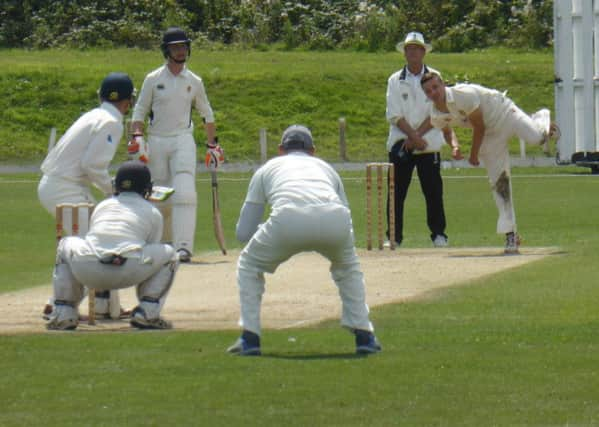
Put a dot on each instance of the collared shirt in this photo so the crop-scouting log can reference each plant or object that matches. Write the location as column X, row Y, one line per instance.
column 168, row 100
column 406, row 99
column 85, row 151
column 463, row 99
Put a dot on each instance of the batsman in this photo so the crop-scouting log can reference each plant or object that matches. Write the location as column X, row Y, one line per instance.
column 81, row 158
column 167, row 97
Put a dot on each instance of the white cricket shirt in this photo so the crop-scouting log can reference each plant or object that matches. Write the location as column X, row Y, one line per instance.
column 168, row 100
column 463, row 99
column 85, row 151
column 124, row 223
column 298, row 179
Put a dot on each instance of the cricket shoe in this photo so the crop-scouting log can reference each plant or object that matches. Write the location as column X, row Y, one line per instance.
column 140, row 321
column 366, row 342
column 387, row 244
column 550, row 129
column 246, row 345
column 64, row 317
column 512, row 244
column 440, row 241
column 184, row 255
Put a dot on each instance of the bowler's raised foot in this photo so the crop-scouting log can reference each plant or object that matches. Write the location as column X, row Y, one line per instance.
column 248, row 344
column 366, row 342
column 512, row 244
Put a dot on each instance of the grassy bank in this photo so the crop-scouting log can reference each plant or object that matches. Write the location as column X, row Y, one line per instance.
column 252, row 90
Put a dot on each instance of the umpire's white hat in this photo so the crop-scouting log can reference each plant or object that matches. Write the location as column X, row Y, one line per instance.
column 414, row 38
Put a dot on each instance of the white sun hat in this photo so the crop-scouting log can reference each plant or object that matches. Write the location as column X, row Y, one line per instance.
column 414, row 38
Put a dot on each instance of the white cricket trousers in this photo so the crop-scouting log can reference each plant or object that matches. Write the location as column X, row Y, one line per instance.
column 495, row 156
column 54, row 190
column 173, row 164
column 152, row 270
column 326, row 229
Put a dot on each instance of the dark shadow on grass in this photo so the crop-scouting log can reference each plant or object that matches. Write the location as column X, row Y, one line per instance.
column 304, row 357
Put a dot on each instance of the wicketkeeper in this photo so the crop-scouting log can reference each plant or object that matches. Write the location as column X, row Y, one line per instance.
column 121, row 249
column 309, row 212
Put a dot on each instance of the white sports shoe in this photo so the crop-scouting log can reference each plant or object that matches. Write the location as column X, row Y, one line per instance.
column 184, row 255
column 440, row 241
column 63, row 318
column 550, row 130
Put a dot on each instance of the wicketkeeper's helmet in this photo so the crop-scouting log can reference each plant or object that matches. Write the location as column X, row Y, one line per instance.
column 116, row 87
column 174, row 35
column 133, row 176
column 297, row 137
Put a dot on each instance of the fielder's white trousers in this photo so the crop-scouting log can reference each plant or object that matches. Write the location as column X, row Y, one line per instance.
column 173, row 164
column 495, row 156
column 151, row 270
column 53, row 190
column 326, row 229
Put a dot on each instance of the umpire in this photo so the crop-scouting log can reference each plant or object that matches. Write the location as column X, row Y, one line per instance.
column 413, row 142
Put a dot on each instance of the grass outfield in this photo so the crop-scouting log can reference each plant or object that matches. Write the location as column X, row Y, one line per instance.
column 516, row 348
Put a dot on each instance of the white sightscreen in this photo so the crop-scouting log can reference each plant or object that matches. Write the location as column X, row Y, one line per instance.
column 576, row 50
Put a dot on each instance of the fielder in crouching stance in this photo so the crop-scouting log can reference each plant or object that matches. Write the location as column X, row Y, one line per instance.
column 120, row 250
column 494, row 119
column 309, row 212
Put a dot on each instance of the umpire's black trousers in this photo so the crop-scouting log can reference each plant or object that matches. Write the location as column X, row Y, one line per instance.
column 428, row 167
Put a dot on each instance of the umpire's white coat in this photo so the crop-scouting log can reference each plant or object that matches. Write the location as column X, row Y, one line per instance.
column 406, row 99
column 309, row 212
column 81, row 158
column 125, row 225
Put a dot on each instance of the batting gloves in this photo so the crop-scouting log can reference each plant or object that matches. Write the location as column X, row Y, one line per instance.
column 215, row 156
column 137, row 149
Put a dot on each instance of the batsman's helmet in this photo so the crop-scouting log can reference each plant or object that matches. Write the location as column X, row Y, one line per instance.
column 174, row 35
column 133, row 176
column 297, row 137
column 116, row 87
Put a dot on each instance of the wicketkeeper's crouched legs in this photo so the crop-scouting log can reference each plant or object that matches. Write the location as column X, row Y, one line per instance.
column 157, row 286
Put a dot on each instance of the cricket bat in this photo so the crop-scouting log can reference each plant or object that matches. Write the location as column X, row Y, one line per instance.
column 216, row 219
